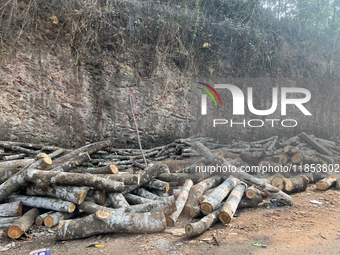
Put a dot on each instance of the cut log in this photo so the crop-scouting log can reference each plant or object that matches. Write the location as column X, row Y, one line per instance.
column 249, row 158
column 197, row 191
column 26, row 151
column 180, row 202
column 199, row 227
column 21, row 225
column 300, row 158
column 117, row 200
column 150, row 172
column 109, row 169
column 45, row 203
column 89, row 149
column 180, row 177
column 7, row 222
column 10, row 168
column 11, row 209
column 144, row 193
column 315, row 144
column 252, row 192
column 229, row 208
column 211, row 203
column 326, row 183
column 136, row 223
column 259, row 184
column 337, row 185
column 72, row 163
column 17, row 181
column 227, row 154
column 158, row 184
column 68, row 193
column 39, row 220
column 201, row 199
column 56, row 153
column 46, row 178
column 135, row 200
column 166, row 204
column 13, row 157
column 249, row 203
column 53, row 219
column 127, row 179
column 296, row 184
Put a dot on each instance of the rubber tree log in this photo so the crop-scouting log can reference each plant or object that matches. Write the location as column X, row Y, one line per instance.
column 337, row 185
column 278, row 181
column 21, row 225
column 166, row 204
column 301, row 158
column 127, row 179
column 144, row 193
column 90, row 148
column 249, row 203
column 199, row 227
column 135, row 223
column 296, row 184
column 98, row 196
column 53, row 219
column 56, row 153
column 158, row 184
column 39, row 220
column 72, row 194
column 7, row 222
column 117, row 200
column 250, row 180
column 326, row 183
column 17, row 181
column 13, row 157
column 252, row 192
column 135, row 200
column 229, row 208
column 150, row 172
column 109, row 169
column 180, row 202
column 181, row 177
column 45, row 203
column 197, row 191
column 11, row 209
column 46, row 178
column 214, row 199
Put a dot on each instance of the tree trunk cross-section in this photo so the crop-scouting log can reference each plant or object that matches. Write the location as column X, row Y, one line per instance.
column 21, row 225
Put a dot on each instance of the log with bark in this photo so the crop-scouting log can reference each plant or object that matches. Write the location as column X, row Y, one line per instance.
column 296, row 184
column 117, row 200
column 301, row 158
column 46, row 178
column 158, row 184
column 10, row 168
column 199, row 227
column 53, row 219
column 318, row 146
column 278, row 181
column 72, row 194
column 135, row 200
column 21, row 225
column 39, row 220
column 144, row 193
column 17, row 181
column 109, row 169
column 136, row 223
column 229, row 207
column 56, row 153
column 150, row 172
column 44, row 202
column 249, row 203
column 6, row 222
column 252, row 192
column 181, row 177
column 180, row 202
column 211, row 203
column 127, row 179
column 98, row 196
column 197, row 191
column 13, row 157
column 326, row 183
column 11, row 209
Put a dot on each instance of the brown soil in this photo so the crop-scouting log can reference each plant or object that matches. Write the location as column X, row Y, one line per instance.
column 303, row 228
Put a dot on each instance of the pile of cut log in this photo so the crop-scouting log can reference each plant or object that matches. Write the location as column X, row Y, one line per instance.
column 100, row 189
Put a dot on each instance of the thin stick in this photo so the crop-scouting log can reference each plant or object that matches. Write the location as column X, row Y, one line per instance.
column 140, row 145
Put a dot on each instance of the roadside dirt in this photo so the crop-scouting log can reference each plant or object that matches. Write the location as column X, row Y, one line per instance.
column 304, row 228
